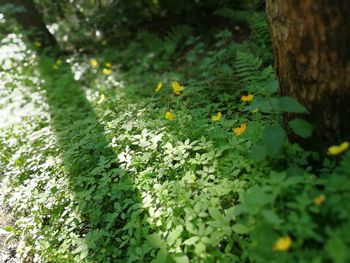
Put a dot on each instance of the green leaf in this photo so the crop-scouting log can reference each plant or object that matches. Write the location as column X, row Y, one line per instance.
column 260, row 103
column 271, row 217
column 301, row 128
column 273, row 139
column 162, row 257
column 258, row 153
column 180, row 258
column 191, row 241
column 9, row 238
column 174, row 235
column 215, row 213
column 271, row 87
column 240, row 229
column 9, row 229
column 289, row 104
column 155, row 241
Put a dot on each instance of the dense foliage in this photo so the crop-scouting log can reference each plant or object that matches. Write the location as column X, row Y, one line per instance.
column 167, row 147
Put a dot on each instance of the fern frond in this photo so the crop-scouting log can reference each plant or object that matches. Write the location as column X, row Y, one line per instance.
column 150, row 39
column 247, row 67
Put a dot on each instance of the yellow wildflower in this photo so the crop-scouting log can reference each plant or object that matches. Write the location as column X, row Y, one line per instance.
column 37, row 44
column 319, row 200
column 216, row 117
column 106, row 71
column 108, row 65
column 177, row 88
column 169, row 116
column 93, row 63
column 58, row 62
column 240, row 130
column 102, row 99
column 249, row 97
column 338, row 149
column 283, row 243
column 159, row 86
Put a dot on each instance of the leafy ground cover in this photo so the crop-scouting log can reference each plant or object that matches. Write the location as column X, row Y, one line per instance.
column 169, row 150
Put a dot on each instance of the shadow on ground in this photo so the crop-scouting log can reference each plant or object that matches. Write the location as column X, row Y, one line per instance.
column 104, row 193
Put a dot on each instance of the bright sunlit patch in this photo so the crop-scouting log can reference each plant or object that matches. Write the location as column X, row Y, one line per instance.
column 102, row 99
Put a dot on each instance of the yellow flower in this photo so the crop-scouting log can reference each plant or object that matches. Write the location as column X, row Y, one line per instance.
column 169, row 115
column 319, row 200
column 93, row 63
column 102, row 99
column 177, row 88
column 216, row 117
column 108, row 65
column 159, row 86
column 240, row 130
column 283, row 243
column 37, row 44
column 106, row 71
column 58, row 62
column 249, row 97
column 338, row 149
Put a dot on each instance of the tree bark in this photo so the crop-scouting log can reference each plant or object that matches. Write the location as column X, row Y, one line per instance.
column 311, row 44
column 32, row 20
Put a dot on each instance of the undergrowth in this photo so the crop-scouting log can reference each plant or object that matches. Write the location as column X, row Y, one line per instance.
column 110, row 170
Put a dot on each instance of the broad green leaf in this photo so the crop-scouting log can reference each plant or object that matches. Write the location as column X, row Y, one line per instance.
column 337, row 249
column 258, row 153
column 271, row 87
column 162, row 257
column 180, row 258
column 289, row 104
column 273, row 139
column 215, row 213
column 271, row 217
column 174, row 235
column 155, row 241
column 301, row 128
column 240, row 229
column 9, row 229
column 191, row 241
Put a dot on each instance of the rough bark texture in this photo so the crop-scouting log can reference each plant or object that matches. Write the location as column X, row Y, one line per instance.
column 31, row 19
column 311, row 42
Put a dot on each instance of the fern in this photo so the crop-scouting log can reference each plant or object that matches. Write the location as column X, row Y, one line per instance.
column 150, row 39
column 178, row 33
column 248, row 68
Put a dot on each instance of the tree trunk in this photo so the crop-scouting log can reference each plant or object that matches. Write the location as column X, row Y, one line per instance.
column 311, row 43
column 32, row 20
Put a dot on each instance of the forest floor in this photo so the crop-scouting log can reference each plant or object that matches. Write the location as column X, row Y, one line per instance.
column 7, row 250
column 162, row 152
